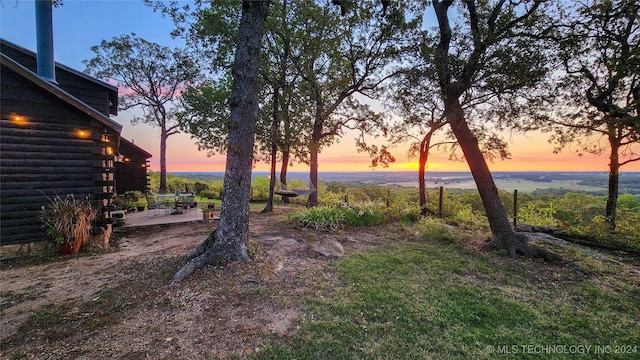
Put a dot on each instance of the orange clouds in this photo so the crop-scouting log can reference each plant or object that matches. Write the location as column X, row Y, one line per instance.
column 528, row 153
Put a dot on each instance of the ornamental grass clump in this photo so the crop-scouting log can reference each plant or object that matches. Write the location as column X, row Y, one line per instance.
column 323, row 218
column 327, row 218
column 68, row 219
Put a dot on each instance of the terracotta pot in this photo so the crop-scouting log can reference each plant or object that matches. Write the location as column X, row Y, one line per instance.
column 69, row 248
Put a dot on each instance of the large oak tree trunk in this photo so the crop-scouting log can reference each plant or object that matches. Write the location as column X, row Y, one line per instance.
column 229, row 241
column 504, row 237
column 163, row 161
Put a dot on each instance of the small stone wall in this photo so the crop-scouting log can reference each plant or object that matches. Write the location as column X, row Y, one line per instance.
column 45, row 248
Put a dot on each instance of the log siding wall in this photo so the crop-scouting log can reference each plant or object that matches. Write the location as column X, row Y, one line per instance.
column 47, row 148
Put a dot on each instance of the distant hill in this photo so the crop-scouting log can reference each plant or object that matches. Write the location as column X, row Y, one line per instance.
column 534, row 181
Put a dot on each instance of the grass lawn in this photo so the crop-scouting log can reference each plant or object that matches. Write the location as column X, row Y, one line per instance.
column 253, row 205
column 436, row 299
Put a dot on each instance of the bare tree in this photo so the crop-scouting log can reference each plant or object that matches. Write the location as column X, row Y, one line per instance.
column 152, row 76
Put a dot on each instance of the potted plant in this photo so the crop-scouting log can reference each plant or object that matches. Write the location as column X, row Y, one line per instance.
column 141, row 204
column 134, row 200
column 68, row 221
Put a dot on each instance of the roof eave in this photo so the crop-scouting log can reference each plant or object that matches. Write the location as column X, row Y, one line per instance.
column 58, row 92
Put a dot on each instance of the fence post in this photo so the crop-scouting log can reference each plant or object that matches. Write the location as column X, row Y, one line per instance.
column 440, row 202
column 515, row 209
column 388, row 197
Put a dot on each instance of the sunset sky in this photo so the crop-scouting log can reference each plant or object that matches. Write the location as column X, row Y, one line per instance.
column 78, row 25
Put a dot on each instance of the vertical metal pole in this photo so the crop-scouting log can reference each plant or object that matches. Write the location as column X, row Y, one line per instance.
column 440, row 202
column 44, row 37
column 515, row 209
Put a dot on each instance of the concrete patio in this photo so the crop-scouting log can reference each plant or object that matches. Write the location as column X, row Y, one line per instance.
column 164, row 216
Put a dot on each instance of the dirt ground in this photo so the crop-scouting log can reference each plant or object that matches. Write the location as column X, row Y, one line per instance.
column 119, row 302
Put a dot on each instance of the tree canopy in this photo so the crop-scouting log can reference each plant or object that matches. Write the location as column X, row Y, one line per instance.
column 598, row 90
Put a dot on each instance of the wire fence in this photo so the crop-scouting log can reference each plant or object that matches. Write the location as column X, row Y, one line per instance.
column 569, row 209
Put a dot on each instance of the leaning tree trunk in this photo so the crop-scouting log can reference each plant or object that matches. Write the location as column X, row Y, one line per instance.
column 504, row 237
column 422, row 166
column 612, row 196
column 422, row 186
column 283, row 171
column 503, row 234
column 229, row 241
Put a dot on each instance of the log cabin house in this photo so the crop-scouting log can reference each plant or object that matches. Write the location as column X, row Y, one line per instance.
column 56, row 138
column 131, row 169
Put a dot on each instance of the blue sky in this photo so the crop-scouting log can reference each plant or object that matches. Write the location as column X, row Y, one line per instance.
column 80, row 24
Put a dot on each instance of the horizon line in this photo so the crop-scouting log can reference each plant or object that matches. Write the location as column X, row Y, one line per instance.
column 410, row 171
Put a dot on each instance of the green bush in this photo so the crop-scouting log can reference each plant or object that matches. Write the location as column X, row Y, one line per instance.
column 210, row 194
column 537, row 216
column 627, row 232
column 629, row 201
column 326, row 217
column 332, row 199
column 260, row 189
column 133, row 199
column 337, row 188
column 199, row 187
column 213, row 191
column 409, row 214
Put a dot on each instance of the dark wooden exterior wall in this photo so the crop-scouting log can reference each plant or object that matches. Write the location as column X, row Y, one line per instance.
column 132, row 176
column 131, row 172
column 97, row 94
column 48, row 147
